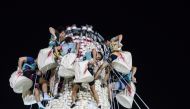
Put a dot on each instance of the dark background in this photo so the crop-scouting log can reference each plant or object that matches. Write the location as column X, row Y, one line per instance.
column 153, row 33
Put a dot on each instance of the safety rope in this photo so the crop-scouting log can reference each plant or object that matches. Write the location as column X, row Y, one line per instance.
column 137, row 104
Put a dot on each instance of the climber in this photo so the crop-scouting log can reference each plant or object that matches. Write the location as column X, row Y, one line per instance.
column 115, row 41
column 120, row 80
column 91, row 66
column 28, row 66
column 57, row 36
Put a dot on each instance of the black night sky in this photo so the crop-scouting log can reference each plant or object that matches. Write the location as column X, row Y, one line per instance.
column 152, row 30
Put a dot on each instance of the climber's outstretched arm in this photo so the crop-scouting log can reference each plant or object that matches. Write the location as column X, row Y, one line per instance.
column 20, row 62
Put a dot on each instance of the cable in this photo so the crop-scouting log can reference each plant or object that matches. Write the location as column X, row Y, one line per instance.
column 137, row 104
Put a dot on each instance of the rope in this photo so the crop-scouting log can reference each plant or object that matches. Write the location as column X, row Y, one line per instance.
column 142, row 101
column 137, row 104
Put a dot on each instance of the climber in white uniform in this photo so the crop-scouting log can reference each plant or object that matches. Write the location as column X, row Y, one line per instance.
column 91, row 66
column 28, row 66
